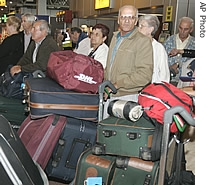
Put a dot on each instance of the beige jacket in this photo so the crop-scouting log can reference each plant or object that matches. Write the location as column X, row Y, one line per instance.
column 132, row 67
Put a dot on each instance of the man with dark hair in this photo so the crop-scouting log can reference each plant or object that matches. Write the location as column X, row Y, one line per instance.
column 81, row 40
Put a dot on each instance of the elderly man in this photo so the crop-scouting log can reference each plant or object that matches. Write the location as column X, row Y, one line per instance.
column 27, row 22
column 179, row 41
column 38, row 52
column 130, row 58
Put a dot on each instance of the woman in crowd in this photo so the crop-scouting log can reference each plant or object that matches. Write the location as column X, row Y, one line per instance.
column 148, row 25
column 11, row 49
column 99, row 49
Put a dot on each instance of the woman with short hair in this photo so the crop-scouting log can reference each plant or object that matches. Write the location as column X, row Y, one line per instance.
column 148, row 25
column 11, row 49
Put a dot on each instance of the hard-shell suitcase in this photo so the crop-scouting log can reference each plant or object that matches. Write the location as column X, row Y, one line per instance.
column 117, row 136
column 41, row 135
column 13, row 110
column 16, row 165
column 90, row 165
column 45, row 96
column 77, row 136
column 135, row 171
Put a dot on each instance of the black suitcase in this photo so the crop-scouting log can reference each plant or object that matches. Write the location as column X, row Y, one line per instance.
column 77, row 136
column 45, row 96
column 16, row 165
column 13, row 110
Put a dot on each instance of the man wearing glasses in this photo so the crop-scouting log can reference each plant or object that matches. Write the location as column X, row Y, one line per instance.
column 130, row 58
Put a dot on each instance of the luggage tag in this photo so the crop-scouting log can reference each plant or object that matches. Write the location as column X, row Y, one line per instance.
column 181, row 125
column 93, row 181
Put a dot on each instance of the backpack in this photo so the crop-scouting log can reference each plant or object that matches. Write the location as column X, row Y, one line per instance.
column 156, row 98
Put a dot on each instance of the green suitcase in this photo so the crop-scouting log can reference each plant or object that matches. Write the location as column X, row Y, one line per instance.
column 117, row 136
column 13, row 110
column 90, row 165
column 135, row 171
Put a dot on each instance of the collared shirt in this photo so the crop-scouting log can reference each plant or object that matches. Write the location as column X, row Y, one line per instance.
column 118, row 42
column 179, row 43
column 27, row 39
column 36, row 49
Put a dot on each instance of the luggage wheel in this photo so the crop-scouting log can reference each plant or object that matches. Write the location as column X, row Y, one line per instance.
column 97, row 150
column 122, row 162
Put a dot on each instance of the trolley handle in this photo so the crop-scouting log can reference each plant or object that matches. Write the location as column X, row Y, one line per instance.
column 107, row 83
column 168, row 115
column 101, row 88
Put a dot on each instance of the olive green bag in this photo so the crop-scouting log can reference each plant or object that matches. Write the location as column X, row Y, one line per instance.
column 117, row 136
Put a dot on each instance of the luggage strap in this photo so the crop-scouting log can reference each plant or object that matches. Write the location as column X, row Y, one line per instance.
column 153, row 153
column 62, row 106
column 156, row 142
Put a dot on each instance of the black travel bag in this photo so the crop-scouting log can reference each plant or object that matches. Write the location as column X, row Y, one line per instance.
column 77, row 136
column 16, row 165
column 45, row 96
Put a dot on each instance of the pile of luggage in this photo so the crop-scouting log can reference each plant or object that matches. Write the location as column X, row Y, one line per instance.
column 64, row 137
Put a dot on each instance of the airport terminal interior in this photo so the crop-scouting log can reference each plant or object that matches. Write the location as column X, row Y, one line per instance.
column 65, row 14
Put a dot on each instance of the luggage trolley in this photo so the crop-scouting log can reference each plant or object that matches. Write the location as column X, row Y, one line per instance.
column 166, row 141
column 168, row 119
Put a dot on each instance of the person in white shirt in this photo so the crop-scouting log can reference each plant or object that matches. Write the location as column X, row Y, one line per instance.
column 148, row 25
column 99, row 49
column 81, row 40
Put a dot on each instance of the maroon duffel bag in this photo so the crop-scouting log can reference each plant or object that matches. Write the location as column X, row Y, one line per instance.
column 75, row 71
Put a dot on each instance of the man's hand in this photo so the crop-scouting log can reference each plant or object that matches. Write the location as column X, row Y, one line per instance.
column 175, row 52
column 106, row 96
column 15, row 69
column 174, row 67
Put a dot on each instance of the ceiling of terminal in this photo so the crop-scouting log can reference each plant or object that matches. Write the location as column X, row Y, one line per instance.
column 158, row 11
column 14, row 5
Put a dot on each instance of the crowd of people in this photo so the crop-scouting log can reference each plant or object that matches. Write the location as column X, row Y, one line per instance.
column 132, row 59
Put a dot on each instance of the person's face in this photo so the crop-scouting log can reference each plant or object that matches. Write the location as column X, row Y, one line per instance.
column 127, row 20
column 96, row 38
column 74, row 37
column 10, row 29
column 25, row 24
column 144, row 28
column 184, row 30
column 37, row 34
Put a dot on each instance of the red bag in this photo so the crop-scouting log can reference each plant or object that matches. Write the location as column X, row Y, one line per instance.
column 40, row 136
column 75, row 71
column 156, row 98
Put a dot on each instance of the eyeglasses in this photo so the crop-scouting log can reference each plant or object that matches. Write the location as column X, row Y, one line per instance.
column 122, row 17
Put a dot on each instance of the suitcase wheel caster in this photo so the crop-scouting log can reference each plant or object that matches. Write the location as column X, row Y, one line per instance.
column 122, row 162
column 97, row 150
